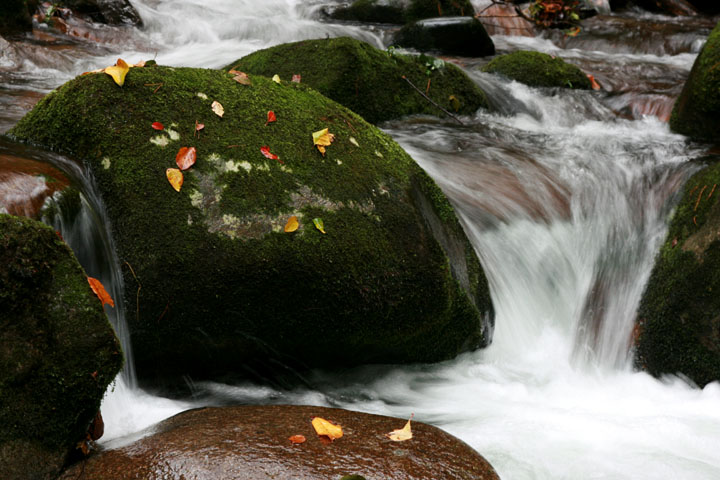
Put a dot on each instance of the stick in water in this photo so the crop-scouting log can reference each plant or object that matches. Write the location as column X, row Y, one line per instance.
column 429, row 100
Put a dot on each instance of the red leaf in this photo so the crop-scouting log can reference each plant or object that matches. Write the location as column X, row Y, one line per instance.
column 199, row 126
column 158, row 126
column 271, row 117
column 266, row 151
column 297, row 78
column 100, row 291
column 185, row 158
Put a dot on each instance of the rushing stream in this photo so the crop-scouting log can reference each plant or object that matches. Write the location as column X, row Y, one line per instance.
column 564, row 196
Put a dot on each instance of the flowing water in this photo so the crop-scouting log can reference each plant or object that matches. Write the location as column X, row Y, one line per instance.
column 564, row 196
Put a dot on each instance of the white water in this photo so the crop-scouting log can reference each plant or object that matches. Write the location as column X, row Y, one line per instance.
column 554, row 397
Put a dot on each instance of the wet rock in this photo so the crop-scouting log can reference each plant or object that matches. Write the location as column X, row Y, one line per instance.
column 678, row 329
column 110, row 12
column 15, row 16
column 215, row 284
column 697, row 110
column 26, row 184
column 502, row 19
column 58, row 352
column 710, row 7
column 452, row 36
column 251, row 442
column 538, row 70
column 367, row 80
column 402, row 11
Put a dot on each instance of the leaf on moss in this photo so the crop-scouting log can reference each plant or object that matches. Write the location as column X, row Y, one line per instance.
column 118, row 71
column 158, row 126
column 322, row 138
column 186, row 157
column 175, row 177
column 319, row 224
column 271, row 117
column 217, row 108
column 99, row 289
column 455, row 102
column 292, row 224
column 276, row 78
column 401, row 434
column 354, row 142
column 326, row 428
column 265, row 150
column 241, row 77
column 297, row 78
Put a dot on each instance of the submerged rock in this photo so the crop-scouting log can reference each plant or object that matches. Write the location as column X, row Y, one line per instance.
column 366, row 80
column 252, row 442
column 697, row 110
column 213, row 282
column 58, row 352
column 452, row 36
column 679, row 317
column 401, row 11
column 538, row 70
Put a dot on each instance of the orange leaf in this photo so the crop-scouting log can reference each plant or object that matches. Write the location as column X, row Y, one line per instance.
column 323, row 427
column 595, row 85
column 322, row 138
column 175, row 177
column 185, row 157
column 265, row 150
column 292, row 224
column 271, row 117
column 100, row 291
column 118, row 71
column 297, row 439
column 158, row 126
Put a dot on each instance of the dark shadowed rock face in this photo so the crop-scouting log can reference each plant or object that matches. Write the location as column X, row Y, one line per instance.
column 252, row 443
column 452, row 36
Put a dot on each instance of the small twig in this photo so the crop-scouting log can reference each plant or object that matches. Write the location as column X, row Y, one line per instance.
column 167, row 307
column 232, row 146
column 350, row 125
column 711, row 192
column 137, row 296
column 699, row 198
column 153, row 84
column 429, row 100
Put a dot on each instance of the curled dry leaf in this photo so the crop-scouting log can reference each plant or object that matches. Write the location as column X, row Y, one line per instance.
column 292, row 224
column 217, row 108
column 241, row 77
column 276, row 78
column 297, row 78
column 100, row 292
column 158, row 126
column 271, row 117
column 593, row 83
column 322, row 138
column 401, row 434
column 175, row 177
column 323, row 427
column 319, row 224
column 198, row 126
column 118, row 71
column 185, row 158
column 297, row 439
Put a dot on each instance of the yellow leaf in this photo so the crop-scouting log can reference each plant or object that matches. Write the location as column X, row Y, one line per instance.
column 118, row 71
column 455, row 102
column 292, row 224
column 175, row 177
column 323, row 427
column 401, row 434
column 276, row 78
column 319, row 224
column 354, row 142
column 218, row 108
column 322, row 138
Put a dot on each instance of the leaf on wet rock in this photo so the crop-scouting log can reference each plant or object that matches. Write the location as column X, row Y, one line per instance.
column 297, row 439
column 99, row 289
column 175, row 177
column 593, row 83
column 265, row 150
column 326, row 428
column 276, row 78
column 185, row 158
column 297, row 78
column 322, row 138
column 158, row 126
column 217, row 108
column 319, row 224
column 118, row 71
column 292, row 224
column 271, row 117
column 401, row 434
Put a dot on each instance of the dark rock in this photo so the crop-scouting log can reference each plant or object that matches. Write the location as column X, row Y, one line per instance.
column 251, row 443
column 402, row 11
column 58, row 352
column 15, row 16
column 668, row 7
column 697, row 110
column 538, row 70
column 710, row 7
column 110, row 12
column 367, row 80
column 216, row 286
column 679, row 317
column 452, row 36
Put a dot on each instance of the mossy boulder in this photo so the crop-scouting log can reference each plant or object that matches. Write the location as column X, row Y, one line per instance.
column 212, row 282
column 697, row 110
column 450, row 36
column 58, row 352
column 679, row 315
column 538, row 69
column 366, row 80
column 402, row 11
column 15, row 16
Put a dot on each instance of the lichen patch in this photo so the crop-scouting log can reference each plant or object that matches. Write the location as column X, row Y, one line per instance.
column 161, row 141
column 106, row 163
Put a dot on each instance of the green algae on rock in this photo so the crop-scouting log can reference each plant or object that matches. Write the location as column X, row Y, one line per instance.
column 679, row 314
column 401, row 11
column 366, row 80
column 212, row 281
column 697, row 110
column 58, row 352
column 538, row 69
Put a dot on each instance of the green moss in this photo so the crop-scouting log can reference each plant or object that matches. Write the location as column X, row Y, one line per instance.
column 220, row 285
column 538, row 70
column 679, row 315
column 697, row 110
column 58, row 352
column 367, row 80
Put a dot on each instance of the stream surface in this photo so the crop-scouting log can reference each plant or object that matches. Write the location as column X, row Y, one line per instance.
column 564, row 195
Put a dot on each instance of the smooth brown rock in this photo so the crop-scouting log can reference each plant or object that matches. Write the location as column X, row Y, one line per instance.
column 252, row 442
column 26, row 184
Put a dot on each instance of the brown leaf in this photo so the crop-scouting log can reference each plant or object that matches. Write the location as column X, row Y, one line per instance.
column 185, row 157
column 297, row 439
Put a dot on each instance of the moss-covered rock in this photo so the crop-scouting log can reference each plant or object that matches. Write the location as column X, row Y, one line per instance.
column 697, row 110
column 212, row 281
column 367, row 80
column 450, row 36
column 538, row 70
column 14, row 16
column 679, row 315
column 58, row 352
column 401, row 11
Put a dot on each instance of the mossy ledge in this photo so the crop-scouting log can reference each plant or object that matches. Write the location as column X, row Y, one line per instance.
column 58, row 352
column 538, row 69
column 213, row 283
column 366, row 80
column 679, row 315
column 697, row 110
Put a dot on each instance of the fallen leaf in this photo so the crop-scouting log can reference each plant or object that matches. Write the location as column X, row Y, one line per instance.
column 354, row 142
column 292, row 224
column 158, row 126
column 140, row 64
column 241, row 77
column 297, row 439
column 175, row 177
column 319, row 224
column 455, row 102
column 276, row 78
column 265, row 150
column 100, row 291
column 118, row 71
column 271, row 117
column 323, row 427
column 198, row 126
column 185, row 158
column 99, row 70
column 402, row 434
column 593, row 83
column 322, row 138
column 297, row 78
column 217, row 108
